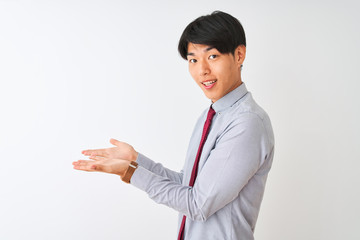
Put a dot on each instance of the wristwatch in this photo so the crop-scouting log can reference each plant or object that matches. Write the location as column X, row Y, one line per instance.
column 130, row 171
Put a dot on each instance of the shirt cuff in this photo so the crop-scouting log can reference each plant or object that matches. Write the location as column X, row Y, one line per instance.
column 141, row 178
column 144, row 161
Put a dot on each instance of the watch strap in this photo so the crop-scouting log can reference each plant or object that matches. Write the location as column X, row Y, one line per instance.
column 130, row 171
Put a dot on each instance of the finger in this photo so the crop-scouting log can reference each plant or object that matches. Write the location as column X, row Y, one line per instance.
column 96, row 158
column 85, row 168
column 115, row 142
column 96, row 152
column 84, row 162
column 76, row 163
column 84, row 165
column 89, row 166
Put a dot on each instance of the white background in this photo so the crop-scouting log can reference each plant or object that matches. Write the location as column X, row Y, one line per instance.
column 73, row 74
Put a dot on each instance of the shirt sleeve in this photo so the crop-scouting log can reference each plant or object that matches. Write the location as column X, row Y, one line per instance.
column 238, row 154
column 159, row 169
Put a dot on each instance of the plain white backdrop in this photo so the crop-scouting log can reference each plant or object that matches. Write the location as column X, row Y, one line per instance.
column 73, row 74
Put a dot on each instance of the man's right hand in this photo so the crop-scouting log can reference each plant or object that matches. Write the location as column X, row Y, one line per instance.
column 121, row 150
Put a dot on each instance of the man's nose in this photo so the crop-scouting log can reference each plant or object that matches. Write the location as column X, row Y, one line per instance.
column 204, row 68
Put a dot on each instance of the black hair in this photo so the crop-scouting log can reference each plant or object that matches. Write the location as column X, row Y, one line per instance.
column 218, row 30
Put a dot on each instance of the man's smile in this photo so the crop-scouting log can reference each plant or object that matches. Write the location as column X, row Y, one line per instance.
column 209, row 83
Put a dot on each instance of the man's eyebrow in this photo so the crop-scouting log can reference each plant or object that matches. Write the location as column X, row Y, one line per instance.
column 206, row 50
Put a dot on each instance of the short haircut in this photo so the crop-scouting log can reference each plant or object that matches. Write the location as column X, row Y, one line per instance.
column 218, row 30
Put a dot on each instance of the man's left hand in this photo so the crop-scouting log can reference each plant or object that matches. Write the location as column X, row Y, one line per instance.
column 103, row 164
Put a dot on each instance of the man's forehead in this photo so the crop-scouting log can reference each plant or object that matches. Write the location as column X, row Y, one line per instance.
column 194, row 47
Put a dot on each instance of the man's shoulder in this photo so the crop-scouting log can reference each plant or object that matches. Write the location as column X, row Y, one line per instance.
column 247, row 108
column 247, row 114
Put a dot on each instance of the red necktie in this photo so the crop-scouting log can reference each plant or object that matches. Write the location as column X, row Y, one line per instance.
column 205, row 132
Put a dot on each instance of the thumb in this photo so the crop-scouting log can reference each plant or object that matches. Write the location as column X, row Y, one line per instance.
column 115, row 142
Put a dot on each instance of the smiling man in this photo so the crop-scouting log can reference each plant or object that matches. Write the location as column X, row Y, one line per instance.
column 217, row 74
column 220, row 188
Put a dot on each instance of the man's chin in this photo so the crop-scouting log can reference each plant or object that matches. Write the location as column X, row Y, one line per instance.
column 211, row 97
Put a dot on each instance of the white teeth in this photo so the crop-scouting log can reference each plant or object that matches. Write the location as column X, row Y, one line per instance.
column 209, row 83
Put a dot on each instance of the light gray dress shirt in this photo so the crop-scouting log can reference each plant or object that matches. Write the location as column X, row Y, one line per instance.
column 225, row 200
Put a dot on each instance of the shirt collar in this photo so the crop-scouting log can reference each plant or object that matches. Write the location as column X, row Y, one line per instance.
column 229, row 99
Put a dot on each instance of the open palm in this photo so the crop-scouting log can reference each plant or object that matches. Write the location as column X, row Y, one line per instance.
column 121, row 150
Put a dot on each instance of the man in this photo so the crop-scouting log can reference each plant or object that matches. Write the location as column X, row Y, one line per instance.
column 220, row 188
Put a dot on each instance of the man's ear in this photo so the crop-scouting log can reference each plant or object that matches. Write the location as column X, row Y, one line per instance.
column 239, row 54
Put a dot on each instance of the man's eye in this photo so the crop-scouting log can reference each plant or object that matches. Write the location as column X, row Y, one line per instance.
column 193, row 60
column 212, row 56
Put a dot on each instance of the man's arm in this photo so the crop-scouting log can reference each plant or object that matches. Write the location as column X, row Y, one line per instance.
column 159, row 169
column 239, row 154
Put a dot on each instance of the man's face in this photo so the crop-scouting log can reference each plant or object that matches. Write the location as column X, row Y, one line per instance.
column 217, row 74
